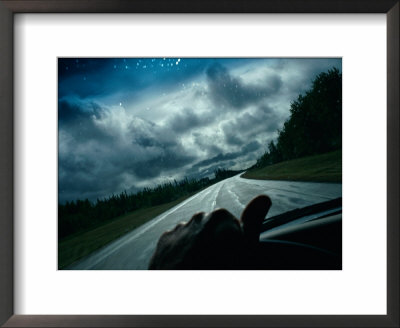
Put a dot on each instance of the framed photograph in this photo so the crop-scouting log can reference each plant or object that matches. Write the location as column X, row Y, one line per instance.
column 218, row 145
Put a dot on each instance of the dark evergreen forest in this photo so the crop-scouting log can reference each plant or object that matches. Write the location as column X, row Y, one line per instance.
column 315, row 123
column 81, row 215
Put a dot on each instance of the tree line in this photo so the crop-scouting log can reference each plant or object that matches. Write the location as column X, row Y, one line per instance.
column 82, row 215
column 314, row 125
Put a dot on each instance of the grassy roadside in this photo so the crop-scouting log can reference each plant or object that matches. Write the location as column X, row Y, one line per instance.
column 76, row 246
column 318, row 168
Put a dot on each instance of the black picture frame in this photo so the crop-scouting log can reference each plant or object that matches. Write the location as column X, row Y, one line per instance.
column 7, row 10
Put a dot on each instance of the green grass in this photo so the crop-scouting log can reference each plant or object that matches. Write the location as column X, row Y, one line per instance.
column 318, row 168
column 74, row 247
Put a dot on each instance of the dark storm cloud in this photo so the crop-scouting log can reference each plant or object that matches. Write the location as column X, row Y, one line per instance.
column 86, row 176
column 232, row 138
column 95, row 167
column 70, row 163
column 188, row 119
column 251, row 146
column 169, row 159
column 143, row 133
column 164, row 150
column 70, row 111
column 205, row 142
column 81, row 181
column 78, row 120
column 220, row 158
column 249, row 125
column 226, row 90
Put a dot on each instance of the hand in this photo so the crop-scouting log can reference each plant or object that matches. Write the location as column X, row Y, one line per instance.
column 216, row 240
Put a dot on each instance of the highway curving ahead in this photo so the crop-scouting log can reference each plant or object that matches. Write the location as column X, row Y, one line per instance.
column 133, row 250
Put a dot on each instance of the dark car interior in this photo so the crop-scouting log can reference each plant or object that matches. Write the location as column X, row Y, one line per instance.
column 309, row 238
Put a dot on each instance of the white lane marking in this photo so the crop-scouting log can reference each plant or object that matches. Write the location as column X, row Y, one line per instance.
column 214, row 203
column 117, row 246
column 236, row 198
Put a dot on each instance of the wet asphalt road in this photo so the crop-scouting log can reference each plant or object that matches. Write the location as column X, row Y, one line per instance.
column 133, row 250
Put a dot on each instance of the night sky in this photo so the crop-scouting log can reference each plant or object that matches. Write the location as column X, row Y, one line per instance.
column 126, row 124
